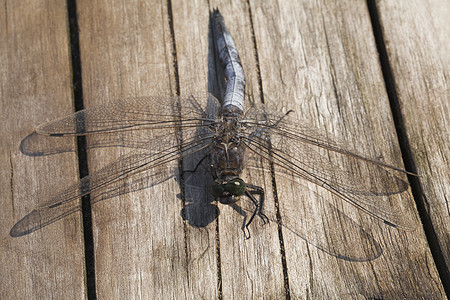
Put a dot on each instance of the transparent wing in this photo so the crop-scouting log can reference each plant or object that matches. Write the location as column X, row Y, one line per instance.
column 136, row 113
column 64, row 202
column 168, row 140
column 125, row 118
column 313, row 156
column 315, row 222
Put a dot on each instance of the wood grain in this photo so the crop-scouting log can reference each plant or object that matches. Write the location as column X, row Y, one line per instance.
column 319, row 59
column 35, row 88
column 248, row 268
column 418, row 46
column 193, row 53
column 140, row 252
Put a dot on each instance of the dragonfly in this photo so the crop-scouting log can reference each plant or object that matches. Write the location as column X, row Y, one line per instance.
column 228, row 136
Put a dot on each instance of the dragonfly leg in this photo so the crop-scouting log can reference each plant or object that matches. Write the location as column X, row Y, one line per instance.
column 250, row 192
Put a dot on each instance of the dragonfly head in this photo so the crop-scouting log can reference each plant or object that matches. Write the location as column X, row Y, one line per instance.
column 228, row 191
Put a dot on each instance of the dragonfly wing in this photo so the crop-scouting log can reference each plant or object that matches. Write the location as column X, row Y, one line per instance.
column 159, row 152
column 120, row 122
column 316, row 223
column 136, row 113
column 312, row 156
column 274, row 122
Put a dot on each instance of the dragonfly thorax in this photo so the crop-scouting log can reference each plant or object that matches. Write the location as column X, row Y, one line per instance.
column 227, row 155
column 227, row 159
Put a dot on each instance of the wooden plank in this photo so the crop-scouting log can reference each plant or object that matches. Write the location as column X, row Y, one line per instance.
column 320, row 60
column 253, row 260
column 317, row 59
column 140, row 252
column 193, row 53
column 256, row 262
column 35, row 81
column 417, row 38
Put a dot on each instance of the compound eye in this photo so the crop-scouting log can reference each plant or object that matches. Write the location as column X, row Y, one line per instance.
column 235, row 187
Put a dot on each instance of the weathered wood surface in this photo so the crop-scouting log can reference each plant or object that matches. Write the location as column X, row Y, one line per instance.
column 318, row 59
column 36, row 87
column 327, row 63
column 418, row 42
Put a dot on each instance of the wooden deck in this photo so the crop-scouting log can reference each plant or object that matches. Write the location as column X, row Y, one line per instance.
column 318, row 58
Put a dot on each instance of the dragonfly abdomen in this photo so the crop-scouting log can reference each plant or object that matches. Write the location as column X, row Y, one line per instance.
column 231, row 63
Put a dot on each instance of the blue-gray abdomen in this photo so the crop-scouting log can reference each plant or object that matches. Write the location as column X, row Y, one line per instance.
column 231, row 63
